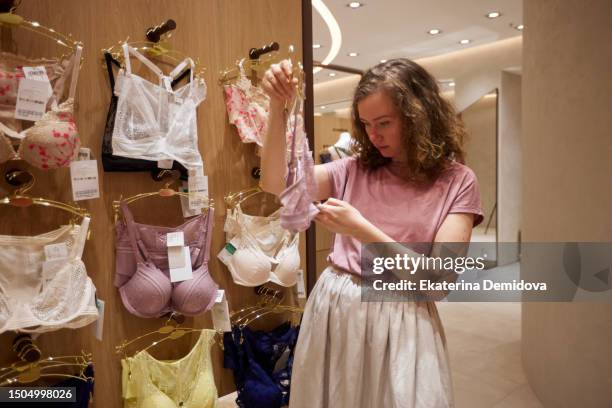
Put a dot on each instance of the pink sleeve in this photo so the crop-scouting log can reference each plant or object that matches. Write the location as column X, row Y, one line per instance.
column 338, row 171
column 468, row 198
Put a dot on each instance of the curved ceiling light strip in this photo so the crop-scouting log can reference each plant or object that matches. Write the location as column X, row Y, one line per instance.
column 334, row 31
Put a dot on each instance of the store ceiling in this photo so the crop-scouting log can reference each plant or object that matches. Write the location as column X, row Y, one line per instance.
column 384, row 29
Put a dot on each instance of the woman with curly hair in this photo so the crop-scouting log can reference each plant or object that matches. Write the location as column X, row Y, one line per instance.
column 405, row 184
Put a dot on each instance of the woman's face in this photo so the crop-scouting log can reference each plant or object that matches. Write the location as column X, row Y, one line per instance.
column 383, row 124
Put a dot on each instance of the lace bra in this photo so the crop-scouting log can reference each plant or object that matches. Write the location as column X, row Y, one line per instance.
column 142, row 268
column 298, row 209
column 53, row 141
column 247, row 108
column 112, row 163
column 262, row 250
column 184, row 383
column 154, row 122
column 38, row 296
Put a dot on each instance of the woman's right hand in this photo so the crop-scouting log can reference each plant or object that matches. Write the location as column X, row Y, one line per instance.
column 278, row 83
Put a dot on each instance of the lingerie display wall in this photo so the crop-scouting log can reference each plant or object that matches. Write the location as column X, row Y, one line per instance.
column 113, row 279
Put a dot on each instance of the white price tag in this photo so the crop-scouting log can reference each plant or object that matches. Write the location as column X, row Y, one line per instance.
column 187, row 212
column 32, row 97
column 84, row 153
column 50, row 268
column 165, row 164
column 175, row 239
column 100, row 323
column 84, row 176
column 56, row 251
column 176, row 258
column 183, row 273
column 301, row 287
column 198, row 189
column 220, row 313
column 228, row 250
column 38, row 74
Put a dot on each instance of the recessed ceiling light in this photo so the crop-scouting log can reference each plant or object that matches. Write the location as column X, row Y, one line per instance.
column 334, row 32
column 520, row 27
column 451, row 84
column 332, row 74
column 464, row 42
column 316, row 46
column 355, row 4
column 352, row 54
column 382, row 61
column 323, row 107
column 493, row 14
column 434, row 31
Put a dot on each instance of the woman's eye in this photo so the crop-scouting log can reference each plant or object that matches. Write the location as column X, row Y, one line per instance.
column 385, row 123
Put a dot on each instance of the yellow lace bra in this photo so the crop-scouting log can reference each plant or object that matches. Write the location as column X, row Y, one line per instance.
column 184, row 383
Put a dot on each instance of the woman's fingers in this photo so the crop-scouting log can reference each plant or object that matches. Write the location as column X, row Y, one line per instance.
column 270, row 89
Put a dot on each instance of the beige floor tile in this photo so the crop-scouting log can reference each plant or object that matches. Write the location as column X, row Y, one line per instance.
column 522, row 397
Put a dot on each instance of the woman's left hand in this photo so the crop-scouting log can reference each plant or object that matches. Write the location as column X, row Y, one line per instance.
column 342, row 218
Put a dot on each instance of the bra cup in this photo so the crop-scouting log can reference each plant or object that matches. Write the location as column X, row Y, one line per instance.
column 53, row 142
column 286, row 270
column 251, row 267
column 204, row 392
column 195, row 296
column 147, row 293
column 157, row 400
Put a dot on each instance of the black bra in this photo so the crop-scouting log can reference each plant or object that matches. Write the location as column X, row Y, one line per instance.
column 112, row 163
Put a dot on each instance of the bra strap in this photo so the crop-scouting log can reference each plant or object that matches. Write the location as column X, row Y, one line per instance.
column 140, row 252
column 80, row 241
column 76, row 66
column 109, row 66
column 180, row 67
column 292, row 161
column 204, row 254
column 127, row 50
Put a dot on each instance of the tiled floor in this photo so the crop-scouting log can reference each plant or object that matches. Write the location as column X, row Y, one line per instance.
column 484, row 342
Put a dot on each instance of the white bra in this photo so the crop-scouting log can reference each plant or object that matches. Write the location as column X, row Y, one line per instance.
column 154, row 122
column 261, row 250
column 37, row 298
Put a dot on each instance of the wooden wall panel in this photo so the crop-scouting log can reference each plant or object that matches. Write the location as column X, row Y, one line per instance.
column 217, row 32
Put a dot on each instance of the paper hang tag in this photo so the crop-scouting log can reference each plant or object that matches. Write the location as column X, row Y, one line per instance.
column 197, row 183
column 220, row 313
column 38, row 74
column 84, row 177
column 99, row 328
column 56, row 251
column 84, row 153
column 174, row 239
column 165, row 164
column 32, row 97
column 301, row 287
column 185, row 272
column 228, row 250
column 50, row 268
column 187, row 212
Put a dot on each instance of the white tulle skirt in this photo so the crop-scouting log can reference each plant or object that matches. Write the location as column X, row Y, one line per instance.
column 354, row 354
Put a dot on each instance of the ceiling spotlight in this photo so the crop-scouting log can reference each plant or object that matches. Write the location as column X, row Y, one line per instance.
column 493, row 14
column 451, row 84
column 352, row 54
column 464, row 42
column 316, row 46
column 520, row 27
column 332, row 74
column 323, row 107
column 355, row 4
column 434, row 31
column 382, row 61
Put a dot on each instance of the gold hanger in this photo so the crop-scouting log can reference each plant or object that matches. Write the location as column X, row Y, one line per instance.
column 267, row 295
column 165, row 191
column 19, row 199
column 11, row 19
column 234, row 199
column 172, row 330
column 269, row 303
column 155, row 50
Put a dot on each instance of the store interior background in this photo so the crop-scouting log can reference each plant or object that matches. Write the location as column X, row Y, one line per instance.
column 530, row 88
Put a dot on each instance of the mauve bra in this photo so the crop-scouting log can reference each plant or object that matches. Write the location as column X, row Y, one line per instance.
column 298, row 209
column 142, row 273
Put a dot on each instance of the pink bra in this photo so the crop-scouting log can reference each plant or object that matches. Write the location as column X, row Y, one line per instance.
column 142, row 273
column 53, row 141
column 298, row 209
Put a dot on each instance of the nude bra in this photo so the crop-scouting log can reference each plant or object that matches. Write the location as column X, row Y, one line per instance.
column 38, row 296
column 142, row 272
column 262, row 250
column 184, row 383
column 298, row 209
column 53, row 141
column 153, row 121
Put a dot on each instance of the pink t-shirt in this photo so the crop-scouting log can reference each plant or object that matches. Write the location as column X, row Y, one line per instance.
column 403, row 210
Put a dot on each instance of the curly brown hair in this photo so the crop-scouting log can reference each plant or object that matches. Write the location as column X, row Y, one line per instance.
column 432, row 133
